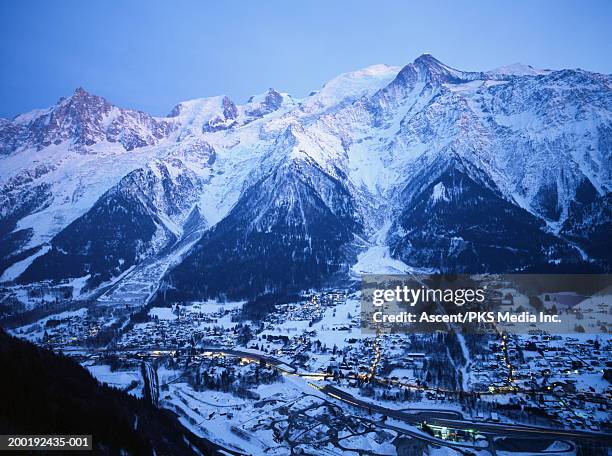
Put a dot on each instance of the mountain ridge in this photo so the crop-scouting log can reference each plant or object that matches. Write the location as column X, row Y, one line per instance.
column 371, row 146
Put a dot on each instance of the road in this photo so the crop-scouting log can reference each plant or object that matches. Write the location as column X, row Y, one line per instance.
column 270, row 360
column 151, row 383
column 435, row 418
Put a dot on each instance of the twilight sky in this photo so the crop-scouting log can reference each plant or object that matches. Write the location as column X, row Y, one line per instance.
column 149, row 55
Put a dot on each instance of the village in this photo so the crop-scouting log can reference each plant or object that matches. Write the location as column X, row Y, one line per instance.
column 532, row 379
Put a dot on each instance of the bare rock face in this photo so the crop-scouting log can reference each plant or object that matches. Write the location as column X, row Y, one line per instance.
column 225, row 120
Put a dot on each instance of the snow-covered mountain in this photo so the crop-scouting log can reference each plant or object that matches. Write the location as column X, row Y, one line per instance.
column 82, row 120
column 423, row 166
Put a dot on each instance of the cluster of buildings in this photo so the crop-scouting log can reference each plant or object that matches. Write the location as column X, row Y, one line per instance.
column 183, row 326
column 566, row 378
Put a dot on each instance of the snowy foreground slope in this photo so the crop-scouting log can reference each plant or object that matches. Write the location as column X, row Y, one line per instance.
column 423, row 167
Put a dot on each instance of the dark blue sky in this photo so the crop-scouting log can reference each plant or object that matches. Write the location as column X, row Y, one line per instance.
column 150, row 55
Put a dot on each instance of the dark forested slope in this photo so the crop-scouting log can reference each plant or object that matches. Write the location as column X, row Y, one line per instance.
column 43, row 393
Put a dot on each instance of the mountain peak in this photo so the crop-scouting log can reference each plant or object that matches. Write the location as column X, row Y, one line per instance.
column 258, row 98
column 434, row 69
column 273, row 99
column 230, row 110
column 351, row 86
column 80, row 91
column 83, row 96
column 427, row 59
column 426, row 68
